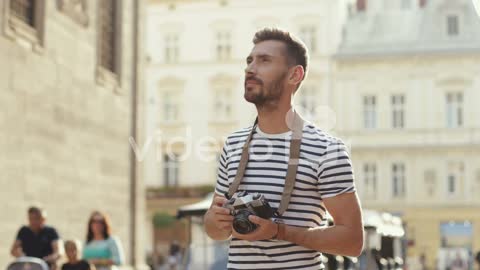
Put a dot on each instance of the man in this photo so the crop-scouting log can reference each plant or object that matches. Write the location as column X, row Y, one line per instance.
column 37, row 239
column 324, row 178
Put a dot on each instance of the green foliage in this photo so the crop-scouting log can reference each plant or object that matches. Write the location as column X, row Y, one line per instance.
column 194, row 191
column 163, row 220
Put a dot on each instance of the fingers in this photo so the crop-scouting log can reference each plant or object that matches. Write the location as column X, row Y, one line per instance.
column 227, row 218
column 266, row 230
column 223, row 222
column 224, row 225
column 258, row 220
column 221, row 217
column 220, row 210
column 220, row 201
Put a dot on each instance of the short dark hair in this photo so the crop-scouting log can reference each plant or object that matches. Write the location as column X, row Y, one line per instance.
column 296, row 51
column 37, row 211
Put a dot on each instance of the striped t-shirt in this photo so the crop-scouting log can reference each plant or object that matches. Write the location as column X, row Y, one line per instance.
column 324, row 171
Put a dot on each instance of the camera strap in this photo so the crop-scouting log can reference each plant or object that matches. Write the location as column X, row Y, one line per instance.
column 296, row 125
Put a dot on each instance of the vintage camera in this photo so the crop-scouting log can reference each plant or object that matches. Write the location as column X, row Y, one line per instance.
column 242, row 205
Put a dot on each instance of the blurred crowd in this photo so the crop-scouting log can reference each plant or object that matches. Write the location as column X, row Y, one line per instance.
column 101, row 250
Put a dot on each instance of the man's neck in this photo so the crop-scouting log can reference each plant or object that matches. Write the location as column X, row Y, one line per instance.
column 36, row 230
column 273, row 121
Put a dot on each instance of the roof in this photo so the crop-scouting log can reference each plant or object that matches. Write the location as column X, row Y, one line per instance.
column 385, row 29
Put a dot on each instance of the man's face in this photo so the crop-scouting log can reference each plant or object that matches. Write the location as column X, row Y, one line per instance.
column 35, row 221
column 266, row 72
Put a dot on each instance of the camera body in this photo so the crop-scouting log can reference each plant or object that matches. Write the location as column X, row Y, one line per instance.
column 242, row 205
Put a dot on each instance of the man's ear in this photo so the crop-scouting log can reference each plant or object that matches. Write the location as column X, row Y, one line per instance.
column 296, row 75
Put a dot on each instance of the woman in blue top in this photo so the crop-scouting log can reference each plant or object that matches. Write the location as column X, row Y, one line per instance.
column 102, row 249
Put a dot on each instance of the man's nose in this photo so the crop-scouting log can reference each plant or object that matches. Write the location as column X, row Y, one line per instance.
column 250, row 69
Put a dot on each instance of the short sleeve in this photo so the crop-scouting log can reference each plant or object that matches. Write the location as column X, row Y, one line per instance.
column 54, row 234
column 335, row 171
column 21, row 234
column 222, row 172
column 116, row 250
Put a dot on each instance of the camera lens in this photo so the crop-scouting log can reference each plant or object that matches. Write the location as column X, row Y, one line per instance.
column 241, row 224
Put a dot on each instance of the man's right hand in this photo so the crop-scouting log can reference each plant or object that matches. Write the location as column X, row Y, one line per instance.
column 17, row 250
column 218, row 221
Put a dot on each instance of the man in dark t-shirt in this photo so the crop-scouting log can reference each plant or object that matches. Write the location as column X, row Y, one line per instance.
column 37, row 239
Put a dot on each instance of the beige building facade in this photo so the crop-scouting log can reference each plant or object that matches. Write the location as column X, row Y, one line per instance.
column 406, row 99
column 68, row 81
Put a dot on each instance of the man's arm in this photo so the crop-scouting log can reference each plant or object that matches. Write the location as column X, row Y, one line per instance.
column 52, row 258
column 16, row 249
column 344, row 238
column 217, row 220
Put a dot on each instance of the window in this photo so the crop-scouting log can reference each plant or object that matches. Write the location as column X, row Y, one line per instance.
column 171, row 104
column 370, row 180
column 224, row 45
column 454, row 109
column 398, row 180
column 25, row 20
column 430, row 183
column 171, row 48
column 476, row 189
column 308, row 101
column 170, row 96
column 398, row 104
column 23, row 10
column 455, row 236
column 222, row 105
column 77, row 10
column 107, row 35
column 170, row 169
column 308, row 34
column 455, row 179
column 452, row 25
column 369, row 111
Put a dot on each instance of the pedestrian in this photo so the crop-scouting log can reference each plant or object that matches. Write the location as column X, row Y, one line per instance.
column 263, row 159
column 37, row 239
column 72, row 250
column 102, row 249
column 174, row 255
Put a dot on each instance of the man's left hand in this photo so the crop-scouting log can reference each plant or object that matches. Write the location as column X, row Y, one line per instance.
column 266, row 229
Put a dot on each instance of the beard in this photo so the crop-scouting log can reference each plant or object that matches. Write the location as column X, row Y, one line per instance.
column 261, row 94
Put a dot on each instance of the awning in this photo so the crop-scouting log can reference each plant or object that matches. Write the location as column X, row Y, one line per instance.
column 196, row 209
